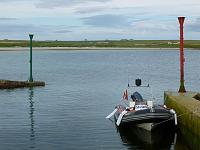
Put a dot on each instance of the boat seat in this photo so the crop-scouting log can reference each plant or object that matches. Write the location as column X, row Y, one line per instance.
column 150, row 104
column 132, row 104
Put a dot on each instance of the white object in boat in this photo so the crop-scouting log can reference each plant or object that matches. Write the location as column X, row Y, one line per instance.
column 132, row 104
column 140, row 107
column 150, row 104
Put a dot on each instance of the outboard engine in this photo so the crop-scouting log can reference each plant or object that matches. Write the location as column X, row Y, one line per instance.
column 138, row 82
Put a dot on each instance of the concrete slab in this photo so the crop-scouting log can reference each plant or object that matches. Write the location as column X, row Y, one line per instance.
column 7, row 84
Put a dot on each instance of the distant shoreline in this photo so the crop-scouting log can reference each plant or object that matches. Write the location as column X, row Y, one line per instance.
column 83, row 48
column 99, row 45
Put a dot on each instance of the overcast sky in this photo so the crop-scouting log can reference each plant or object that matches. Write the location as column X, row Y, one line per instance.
column 98, row 19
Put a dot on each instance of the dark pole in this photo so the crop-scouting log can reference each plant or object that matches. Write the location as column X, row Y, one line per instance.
column 31, row 75
column 182, row 59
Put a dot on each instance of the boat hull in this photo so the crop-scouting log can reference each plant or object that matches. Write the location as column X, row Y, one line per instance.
column 148, row 119
column 144, row 139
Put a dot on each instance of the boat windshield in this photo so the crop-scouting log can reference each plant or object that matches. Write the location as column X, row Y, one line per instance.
column 140, row 94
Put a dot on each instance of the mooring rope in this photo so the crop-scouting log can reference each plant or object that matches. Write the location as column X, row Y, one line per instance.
column 193, row 112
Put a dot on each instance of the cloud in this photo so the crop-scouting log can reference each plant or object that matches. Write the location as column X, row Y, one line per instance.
column 13, row 28
column 41, row 32
column 7, row 19
column 107, row 20
column 64, row 3
column 194, row 26
column 88, row 10
column 8, row 1
column 62, row 31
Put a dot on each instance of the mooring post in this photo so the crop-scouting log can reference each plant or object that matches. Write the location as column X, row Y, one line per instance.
column 182, row 59
column 31, row 76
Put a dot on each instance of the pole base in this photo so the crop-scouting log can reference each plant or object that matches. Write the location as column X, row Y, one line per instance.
column 30, row 80
column 182, row 89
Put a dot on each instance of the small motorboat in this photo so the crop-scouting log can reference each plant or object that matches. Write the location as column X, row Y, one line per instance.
column 142, row 112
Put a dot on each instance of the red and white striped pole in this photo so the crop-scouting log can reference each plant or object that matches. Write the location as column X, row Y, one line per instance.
column 182, row 59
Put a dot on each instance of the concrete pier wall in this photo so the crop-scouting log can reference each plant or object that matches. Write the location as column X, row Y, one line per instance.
column 188, row 110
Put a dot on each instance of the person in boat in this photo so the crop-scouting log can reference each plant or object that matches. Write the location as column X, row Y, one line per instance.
column 135, row 98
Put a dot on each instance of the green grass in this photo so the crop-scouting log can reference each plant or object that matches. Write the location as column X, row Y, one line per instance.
column 106, row 43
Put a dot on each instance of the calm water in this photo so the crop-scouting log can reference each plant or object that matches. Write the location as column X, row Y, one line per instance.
column 82, row 88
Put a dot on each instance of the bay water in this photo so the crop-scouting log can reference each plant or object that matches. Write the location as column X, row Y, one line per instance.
column 82, row 88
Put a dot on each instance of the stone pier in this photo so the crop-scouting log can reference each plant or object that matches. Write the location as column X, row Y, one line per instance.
column 187, row 106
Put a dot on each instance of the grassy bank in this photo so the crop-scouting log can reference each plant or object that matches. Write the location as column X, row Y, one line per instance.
column 106, row 43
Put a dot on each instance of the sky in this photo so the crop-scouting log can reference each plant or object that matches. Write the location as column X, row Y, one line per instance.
column 75, row 20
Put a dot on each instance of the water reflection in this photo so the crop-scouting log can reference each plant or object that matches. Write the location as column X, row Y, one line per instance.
column 138, row 138
column 31, row 115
